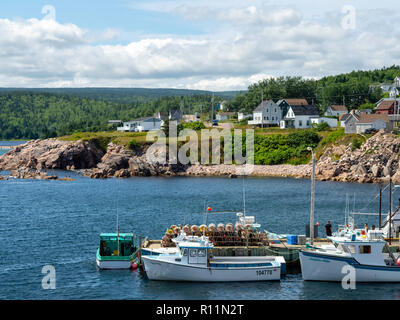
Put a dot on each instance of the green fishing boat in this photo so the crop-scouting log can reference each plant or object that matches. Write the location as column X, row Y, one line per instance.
column 116, row 251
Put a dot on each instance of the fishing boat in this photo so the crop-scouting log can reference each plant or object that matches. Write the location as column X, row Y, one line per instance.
column 194, row 261
column 116, row 251
column 243, row 233
column 367, row 252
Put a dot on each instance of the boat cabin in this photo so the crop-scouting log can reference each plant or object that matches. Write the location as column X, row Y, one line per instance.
column 194, row 249
column 368, row 249
column 112, row 244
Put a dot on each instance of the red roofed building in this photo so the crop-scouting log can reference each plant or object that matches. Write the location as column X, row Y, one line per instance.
column 387, row 106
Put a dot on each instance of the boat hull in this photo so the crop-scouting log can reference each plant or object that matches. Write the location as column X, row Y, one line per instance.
column 115, row 264
column 317, row 267
column 122, row 262
column 162, row 270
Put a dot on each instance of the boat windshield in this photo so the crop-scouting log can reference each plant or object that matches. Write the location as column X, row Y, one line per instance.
column 109, row 246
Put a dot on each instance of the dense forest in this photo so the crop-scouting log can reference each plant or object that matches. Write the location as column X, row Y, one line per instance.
column 355, row 90
column 122, row 95
column 42, row 115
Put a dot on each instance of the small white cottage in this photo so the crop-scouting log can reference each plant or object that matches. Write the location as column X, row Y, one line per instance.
column 141, row 124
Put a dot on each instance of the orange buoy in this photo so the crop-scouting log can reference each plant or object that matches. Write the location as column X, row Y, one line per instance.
column 398, row 261
column 134, row 266
column 209, row 208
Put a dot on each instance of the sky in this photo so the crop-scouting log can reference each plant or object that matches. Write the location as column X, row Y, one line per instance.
column 214, row 45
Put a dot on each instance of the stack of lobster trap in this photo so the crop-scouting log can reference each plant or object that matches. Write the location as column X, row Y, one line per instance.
column 220, row 235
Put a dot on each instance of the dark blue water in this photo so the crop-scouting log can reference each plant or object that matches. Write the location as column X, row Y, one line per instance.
column 58, row 223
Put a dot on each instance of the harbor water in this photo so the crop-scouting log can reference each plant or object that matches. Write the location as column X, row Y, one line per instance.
column 58, row 223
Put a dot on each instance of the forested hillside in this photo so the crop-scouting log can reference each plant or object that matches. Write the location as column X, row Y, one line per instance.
column 354, row 89
column 122, row 95
column 42, row 115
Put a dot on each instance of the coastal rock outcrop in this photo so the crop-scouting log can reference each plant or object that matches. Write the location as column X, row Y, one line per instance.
column 120, row 162
column 52, row 154
column 376, row 160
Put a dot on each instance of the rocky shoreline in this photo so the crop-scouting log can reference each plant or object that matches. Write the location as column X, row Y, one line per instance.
column 375, row 161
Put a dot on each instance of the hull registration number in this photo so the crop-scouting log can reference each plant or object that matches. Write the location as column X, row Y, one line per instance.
column 264, row 272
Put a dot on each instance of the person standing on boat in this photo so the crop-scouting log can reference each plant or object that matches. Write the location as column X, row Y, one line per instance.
column 366, row 227
column 328, row 229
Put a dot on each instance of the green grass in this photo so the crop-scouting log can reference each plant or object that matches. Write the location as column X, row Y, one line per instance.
column 102, row 139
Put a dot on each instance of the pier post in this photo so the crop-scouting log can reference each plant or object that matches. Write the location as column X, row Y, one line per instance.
column 390, row 214
column 380, row 206
column 312, row 196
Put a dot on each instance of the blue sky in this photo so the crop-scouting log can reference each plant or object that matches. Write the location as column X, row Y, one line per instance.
column 200, row 44
column 98, row 15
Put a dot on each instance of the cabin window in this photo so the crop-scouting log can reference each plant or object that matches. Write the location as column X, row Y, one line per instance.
column 193, row 252
column 300, row 123
column 201, row 253
column 343, row 248
column 365, row 249
column 184, row 252
column 352, row 248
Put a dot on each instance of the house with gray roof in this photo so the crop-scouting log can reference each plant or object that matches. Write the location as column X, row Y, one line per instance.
column 299, row 117
column 267, row 114
column 335, row 110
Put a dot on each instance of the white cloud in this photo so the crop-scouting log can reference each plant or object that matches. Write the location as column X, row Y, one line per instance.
column 251, row 42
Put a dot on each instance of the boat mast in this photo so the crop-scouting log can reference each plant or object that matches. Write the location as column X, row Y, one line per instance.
column 244, row 199
column 312, row 196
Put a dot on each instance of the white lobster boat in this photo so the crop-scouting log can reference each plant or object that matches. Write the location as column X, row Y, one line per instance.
column 369, row 255
column 194, row 262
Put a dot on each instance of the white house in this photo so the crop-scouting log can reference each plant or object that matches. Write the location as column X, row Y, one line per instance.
column 332, row 122
column 335, row 110
column 266, row 114
column 396, row 82
column 394, row 92
column 141, row 124
column 299, row 117
column 351, row 122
